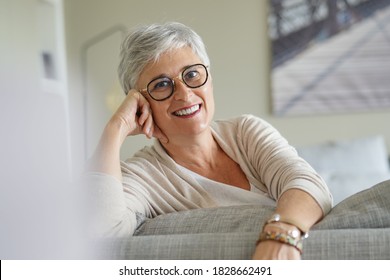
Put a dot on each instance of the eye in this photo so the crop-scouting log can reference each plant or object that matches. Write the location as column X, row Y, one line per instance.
column 192, row 75
column 160, row 85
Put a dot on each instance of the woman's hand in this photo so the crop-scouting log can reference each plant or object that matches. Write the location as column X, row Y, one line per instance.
column 134, row 116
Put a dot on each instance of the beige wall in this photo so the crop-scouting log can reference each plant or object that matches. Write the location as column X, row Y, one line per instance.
column 235, row 35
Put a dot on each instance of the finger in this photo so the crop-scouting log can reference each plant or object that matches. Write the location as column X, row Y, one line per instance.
column 148, row 126
column 129, row 112
column 145, row 112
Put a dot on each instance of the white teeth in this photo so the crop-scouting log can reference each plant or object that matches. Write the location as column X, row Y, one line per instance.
column 188, row 111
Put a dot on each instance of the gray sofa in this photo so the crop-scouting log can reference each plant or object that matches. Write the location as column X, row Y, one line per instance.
column 356, row 228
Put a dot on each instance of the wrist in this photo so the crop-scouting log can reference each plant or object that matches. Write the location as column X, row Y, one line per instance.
column 284, row 228
column 278, row 219
column 274, row 250
column 116, row 130
column 284, row 239
column 284, row 231
column 277, row 243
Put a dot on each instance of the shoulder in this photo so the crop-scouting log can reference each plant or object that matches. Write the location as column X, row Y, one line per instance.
column 149, row 159
column 141, row 160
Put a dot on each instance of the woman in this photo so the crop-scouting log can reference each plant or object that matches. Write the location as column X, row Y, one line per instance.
column 194, row 161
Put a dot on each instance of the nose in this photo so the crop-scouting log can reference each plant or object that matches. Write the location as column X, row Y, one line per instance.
column 181, row 90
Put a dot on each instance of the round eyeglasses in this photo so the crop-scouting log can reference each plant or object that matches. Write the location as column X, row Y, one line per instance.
column 162, row 88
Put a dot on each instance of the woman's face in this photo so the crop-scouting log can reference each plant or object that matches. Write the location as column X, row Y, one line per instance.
column 168, row 114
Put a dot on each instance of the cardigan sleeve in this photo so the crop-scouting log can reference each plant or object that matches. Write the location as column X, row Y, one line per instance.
column 113, row 211
column 277, row 163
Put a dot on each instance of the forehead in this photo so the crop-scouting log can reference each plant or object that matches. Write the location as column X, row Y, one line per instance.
column 170, row 63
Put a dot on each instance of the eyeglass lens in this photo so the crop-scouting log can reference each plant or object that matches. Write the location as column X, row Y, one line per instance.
column 193, row 76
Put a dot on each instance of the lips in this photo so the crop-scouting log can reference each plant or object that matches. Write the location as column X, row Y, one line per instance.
column 187, row 111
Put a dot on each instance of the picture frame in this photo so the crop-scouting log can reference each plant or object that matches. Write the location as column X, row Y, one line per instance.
column 329, row 56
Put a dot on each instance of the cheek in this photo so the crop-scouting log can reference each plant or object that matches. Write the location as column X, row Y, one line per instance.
column 155, row 110
column 209, row 97
column 159, row 112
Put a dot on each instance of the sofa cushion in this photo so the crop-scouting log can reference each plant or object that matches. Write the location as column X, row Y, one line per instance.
column 366, row 209
column 349, row 166
column 345, row 184
column 361, row 155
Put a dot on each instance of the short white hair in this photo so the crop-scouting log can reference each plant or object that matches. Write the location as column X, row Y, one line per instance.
column 147, row 43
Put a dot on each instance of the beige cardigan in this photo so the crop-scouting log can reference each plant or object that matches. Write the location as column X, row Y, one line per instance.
column 153, row 184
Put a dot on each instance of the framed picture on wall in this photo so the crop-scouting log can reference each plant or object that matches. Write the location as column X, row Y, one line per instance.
column 329, row 56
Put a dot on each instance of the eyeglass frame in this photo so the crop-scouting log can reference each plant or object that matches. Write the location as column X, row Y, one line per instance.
column 180, row 76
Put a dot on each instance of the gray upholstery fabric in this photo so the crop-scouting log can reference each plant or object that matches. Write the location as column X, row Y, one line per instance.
column 245, row 218
column 356, row 228
column 340, row 244
column 366, row 209
column 348, row 244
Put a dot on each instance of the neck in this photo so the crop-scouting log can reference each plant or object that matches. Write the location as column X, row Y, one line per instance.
column 199, row 151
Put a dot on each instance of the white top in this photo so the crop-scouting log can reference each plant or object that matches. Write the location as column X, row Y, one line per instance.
column 227, row 195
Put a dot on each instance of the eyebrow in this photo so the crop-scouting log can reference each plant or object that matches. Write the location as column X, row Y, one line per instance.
column 160, row 77
column 167, row 76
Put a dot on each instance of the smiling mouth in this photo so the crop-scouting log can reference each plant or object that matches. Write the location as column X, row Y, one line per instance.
column 188, row 111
